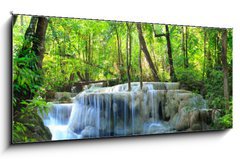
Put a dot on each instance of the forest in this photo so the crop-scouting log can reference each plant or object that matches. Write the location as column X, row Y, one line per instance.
column 51, row 55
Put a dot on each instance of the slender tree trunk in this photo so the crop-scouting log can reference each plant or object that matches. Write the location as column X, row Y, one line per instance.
column 172, row 73
column 215, row 51
column 218, row 54
column 86, row 60
column 120, row 65
column 140, row 66
column 89, row 48
column 209, row 60
column 169, row 51
column 225, row 67
column 183, row 47
column 128, row 53
column 204, row 55
column 21, row 22
column 146, row 53
column 39, row 42
column 186, row 48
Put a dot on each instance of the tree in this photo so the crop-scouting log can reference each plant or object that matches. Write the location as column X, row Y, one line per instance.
column 185, row 45
column 146, row 52
column 39, row 41
column 129, row 53
column 28, row 37
column 204, row 54
column 119, row 53
column 169, row 50
column 140, row 65
column 225, row 67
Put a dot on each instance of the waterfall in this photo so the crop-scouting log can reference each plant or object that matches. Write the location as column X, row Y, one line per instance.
column 57, row 121
column 110, row 111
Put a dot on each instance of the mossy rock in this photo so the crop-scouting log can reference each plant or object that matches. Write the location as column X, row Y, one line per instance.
column 35, row 129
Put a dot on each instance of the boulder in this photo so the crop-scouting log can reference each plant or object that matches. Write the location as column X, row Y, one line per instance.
column 35, row 129
column 183, row 121
column 64, row 97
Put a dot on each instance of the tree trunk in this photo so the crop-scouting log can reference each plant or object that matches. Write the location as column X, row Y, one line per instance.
column 39, row 42
column 204, row 55
column 28, row 37
column 218, row 52
column 225, row 67
column 128, row 53
column 120, row 65
column 186, row 48
column 183, row 47
column 140, row 66
column 209, row 60
column 215, row 51
column 86, row 60
column 146, row 53
column 21, row 23
column 172, row 73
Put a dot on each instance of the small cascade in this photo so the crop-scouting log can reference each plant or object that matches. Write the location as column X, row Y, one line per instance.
column 57, row 121
column 114, row 111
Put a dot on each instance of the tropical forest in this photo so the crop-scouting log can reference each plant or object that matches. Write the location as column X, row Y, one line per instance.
column 87, row 78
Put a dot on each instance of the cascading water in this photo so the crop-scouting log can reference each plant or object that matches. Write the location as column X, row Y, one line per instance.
column 111, row 111
column 57, row 120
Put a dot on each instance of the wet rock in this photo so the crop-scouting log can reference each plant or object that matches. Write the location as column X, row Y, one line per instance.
column 183, row 120
column 35, row 131
column 215, row 114
column 64, row 97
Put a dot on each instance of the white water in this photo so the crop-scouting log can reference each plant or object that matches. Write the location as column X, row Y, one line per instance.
column 109, row 111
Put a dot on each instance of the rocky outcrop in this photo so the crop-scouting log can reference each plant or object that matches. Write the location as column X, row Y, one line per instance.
column 35, row 130
column 187, row 111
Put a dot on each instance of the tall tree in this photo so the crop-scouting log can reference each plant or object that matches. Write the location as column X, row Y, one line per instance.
column 169, row 50
column 119, row 53
column 186, row 47
column 183, row 46
column 39, row 41
column 140, row 65
column 129, row 53
column 29, row 36
column 204, row 53
column 225, row 67
column 146, row 52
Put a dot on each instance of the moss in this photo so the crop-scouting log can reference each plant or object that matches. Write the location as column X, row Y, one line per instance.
column 29, row 127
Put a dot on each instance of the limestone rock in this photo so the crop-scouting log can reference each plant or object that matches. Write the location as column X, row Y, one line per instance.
column 183, row 121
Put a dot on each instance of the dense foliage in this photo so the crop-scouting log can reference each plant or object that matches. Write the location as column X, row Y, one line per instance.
column 79, row 50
